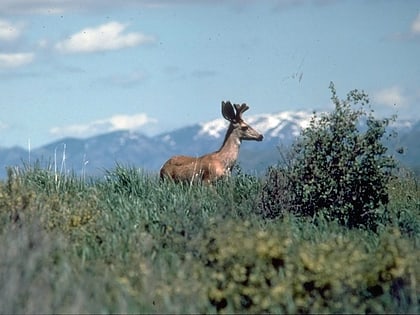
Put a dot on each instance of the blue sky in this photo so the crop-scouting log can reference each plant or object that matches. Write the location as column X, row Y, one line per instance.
column 83, row 67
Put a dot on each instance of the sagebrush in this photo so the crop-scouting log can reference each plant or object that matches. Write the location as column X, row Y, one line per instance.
column 339, row 169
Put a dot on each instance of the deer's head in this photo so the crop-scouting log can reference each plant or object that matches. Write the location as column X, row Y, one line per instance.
column 233, row 114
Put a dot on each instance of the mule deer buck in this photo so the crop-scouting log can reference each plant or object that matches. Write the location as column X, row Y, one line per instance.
column 210, row 167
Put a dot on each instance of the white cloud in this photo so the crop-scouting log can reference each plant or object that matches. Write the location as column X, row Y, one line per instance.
column 392, row 96
column 15, row 59
column 410, row 34
column 117, row 122
column 120, row 122
column 109, row 36
column 9, row 31
column 415, row 26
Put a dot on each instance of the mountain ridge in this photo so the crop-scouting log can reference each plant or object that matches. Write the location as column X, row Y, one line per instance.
column 94, row 154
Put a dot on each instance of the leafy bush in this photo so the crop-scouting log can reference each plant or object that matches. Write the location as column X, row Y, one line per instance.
column 275, row 197
column 279, row 271
column 404, row 205
column 337, row 170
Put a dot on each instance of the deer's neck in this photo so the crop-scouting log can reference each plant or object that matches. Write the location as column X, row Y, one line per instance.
column 229, row 151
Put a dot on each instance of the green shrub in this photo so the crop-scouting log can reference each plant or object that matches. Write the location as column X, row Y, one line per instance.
column 278, row 271
column 404, row 205
column 275, row 198
column 338, row 170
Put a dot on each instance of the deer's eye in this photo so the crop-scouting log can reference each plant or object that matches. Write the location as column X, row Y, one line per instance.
column 244, row 128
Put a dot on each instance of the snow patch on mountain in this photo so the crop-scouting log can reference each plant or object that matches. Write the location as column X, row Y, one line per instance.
column 272, row 125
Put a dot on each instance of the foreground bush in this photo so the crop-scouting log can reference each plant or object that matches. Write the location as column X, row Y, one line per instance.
column 277, row 271
column 337, row 170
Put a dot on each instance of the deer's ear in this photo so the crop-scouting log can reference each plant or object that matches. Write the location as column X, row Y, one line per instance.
column 227, row 111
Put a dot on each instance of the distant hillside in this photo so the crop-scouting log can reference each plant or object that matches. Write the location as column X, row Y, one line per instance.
column 93, row 155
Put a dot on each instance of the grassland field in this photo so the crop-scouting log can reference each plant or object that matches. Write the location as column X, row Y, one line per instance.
column 130, row 243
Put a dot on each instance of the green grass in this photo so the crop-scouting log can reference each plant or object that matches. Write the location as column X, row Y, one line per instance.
column 131, row 243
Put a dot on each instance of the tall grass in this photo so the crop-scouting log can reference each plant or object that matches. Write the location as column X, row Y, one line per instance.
column 128, row 242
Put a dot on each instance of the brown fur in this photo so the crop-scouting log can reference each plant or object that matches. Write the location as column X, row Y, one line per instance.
column 218, row 164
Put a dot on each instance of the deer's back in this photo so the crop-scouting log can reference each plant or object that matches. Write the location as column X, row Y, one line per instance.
column 187, row 168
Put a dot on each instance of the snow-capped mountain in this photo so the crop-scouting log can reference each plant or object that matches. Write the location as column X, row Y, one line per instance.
column 280, row 128
column 95, row 154
column 271, row 125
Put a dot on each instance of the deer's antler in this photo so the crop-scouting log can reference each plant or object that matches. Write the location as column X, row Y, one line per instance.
column 240, row 109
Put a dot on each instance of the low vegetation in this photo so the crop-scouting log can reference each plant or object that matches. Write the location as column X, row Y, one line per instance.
column 129, row 242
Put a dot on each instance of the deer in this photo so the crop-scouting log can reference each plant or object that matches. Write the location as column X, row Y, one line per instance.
column 213, row 166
